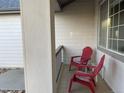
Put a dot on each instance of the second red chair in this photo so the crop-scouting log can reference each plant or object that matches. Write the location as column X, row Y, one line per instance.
column 87, row 79
column 84, row 58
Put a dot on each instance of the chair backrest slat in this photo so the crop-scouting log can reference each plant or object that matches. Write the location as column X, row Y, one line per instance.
column 86, row 55
column 99, row 66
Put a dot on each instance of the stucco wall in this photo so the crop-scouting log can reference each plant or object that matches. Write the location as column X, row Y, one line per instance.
column 113, row 68
column 75, row 27
column 113, row 72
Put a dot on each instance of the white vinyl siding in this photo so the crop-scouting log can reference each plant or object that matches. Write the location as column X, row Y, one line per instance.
column 75, row 27
column 11, row 54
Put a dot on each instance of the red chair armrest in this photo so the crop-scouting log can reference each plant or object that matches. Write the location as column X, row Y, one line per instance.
column 87, row 66
column 83, row 74
column 75, row 56
column 72, row 58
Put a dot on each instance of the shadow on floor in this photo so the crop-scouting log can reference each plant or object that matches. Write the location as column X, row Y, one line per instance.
column 77, row 88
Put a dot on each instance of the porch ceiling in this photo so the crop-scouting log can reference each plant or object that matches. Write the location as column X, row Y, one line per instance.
column 60, row 4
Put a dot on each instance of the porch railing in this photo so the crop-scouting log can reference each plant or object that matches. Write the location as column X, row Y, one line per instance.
column 59, row 61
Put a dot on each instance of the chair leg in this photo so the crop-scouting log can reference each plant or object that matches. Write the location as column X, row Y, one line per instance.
column 70, row 85
column 70, row 66
column 94, row 82
column 78, row 68
column 91, row 86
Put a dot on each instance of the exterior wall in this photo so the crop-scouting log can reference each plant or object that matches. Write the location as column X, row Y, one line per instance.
column 11, row 54
column 113, row 72
column 74, row 27
column 113, row 68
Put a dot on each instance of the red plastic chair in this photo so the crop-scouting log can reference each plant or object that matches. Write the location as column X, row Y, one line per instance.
column 84, row 58
column 87, row 79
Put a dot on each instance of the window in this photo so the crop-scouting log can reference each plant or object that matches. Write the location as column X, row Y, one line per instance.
column 116, row 29
column 111, row 34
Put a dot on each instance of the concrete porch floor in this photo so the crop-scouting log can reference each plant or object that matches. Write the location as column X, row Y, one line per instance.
column 77, row 88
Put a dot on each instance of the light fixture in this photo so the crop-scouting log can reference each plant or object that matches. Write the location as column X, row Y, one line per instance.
column 108, row 21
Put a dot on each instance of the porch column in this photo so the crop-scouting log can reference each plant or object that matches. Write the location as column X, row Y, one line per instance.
column 38, row 37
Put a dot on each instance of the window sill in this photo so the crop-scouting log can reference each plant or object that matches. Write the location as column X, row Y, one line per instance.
column 113, row 54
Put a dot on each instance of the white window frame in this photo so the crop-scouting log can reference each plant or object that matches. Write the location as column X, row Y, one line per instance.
column 98, row 32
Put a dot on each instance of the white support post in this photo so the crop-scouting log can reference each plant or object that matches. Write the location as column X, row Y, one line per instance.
column 39, row 47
